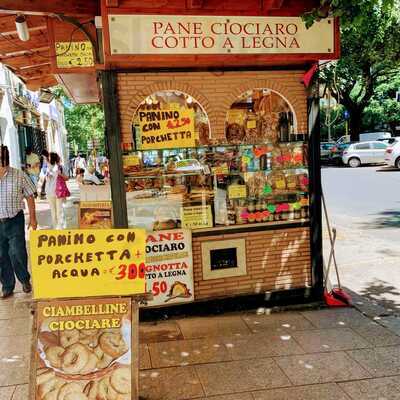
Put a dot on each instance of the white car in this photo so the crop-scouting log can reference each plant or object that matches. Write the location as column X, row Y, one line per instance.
column 364, row 153
column 392, row 155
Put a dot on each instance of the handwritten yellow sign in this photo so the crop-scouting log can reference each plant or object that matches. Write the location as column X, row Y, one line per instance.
column 237, row 191
column 74, row 54
column 197, row 217
column 222, row 169
column 84, row 263
column 166, row 129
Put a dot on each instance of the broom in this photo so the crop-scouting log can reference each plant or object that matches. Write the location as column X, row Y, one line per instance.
column 337, row 297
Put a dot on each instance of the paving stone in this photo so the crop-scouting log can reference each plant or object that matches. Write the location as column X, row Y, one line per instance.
column 10, row 311
column 213, row 326
column 159, row 332
column 21, row 392
column 240, row 376
column 144, row 357
column 261, row 345
column 326, row 391
column 377, row 335
column 14, row 370
column 240, row 396
column 170, row 384
column 392, row 323
column 321, row 368
column 373, row 389
column 7, row 392
column 15, row 327
column 15, row 345
column 186, row 352
column 277, row 322
column 380, row 361
column 336, row 318
column 330, row 340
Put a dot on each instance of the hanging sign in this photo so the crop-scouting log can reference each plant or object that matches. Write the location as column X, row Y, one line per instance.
column 95, row 215
column 197, row 217
column 83, row 263
column 187, row 34
column 84, row 346
column 169, row 267
column 74, row 54
column 166, row 129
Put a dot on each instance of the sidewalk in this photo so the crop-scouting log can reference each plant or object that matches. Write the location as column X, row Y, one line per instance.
column 312, row 355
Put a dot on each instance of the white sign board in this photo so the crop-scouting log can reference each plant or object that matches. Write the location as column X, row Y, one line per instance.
column 186, row 34
column 169, row 267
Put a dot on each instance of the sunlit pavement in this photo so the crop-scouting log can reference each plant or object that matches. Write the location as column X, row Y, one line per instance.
column 312, row 355
column 329, row 354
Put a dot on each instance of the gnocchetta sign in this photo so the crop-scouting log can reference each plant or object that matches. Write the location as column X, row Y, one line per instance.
column 174, row 34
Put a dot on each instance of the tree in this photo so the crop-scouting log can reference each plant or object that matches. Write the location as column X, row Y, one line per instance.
column 84, row 123
column 384, row 109
column 370, row 40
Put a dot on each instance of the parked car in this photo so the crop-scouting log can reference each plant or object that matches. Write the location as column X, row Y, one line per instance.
column 390, row 141
column 336, row 153
column 369, row 136
column 392, row 155
column 364, row 153
column 326, row 148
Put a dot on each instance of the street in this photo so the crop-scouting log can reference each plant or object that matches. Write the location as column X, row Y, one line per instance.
column 363, row 204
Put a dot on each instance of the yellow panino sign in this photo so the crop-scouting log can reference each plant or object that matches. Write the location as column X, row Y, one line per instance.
column 74, row 54
column 166, row 129
column 83, row 263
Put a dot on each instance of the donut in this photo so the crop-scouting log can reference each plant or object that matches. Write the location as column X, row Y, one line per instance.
column 105, row 390
column 89, row 332
column 47, row 387
column 51, row 395
column 121, row 380
column 124, row 396
column 75, row 396
column 53, row 354
column 74, row 358
column 113, row 344
column 104, row 360
column 43, row 375
column 91, row 365
column 91, row 390
column 91, row 341
column 69, row 337
column 70, row 387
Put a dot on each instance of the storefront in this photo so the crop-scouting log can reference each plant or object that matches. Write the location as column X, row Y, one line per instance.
column 216, row 134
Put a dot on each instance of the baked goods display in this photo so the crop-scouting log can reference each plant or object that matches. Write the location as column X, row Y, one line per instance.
column 275, row 177
column 81, row 352
column 115, row 384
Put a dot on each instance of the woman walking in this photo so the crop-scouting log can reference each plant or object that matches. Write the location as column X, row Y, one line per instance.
column 56, row 191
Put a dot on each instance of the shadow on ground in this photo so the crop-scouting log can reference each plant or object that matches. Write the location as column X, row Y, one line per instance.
column 379, row 291
column 385, row 219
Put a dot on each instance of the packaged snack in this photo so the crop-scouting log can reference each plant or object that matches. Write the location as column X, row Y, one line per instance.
column 292, row 182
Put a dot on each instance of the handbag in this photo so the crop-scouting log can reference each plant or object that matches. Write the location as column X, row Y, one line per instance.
column 62, row 190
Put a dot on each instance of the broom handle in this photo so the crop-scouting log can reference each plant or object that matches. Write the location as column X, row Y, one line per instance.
column 328, row 268
column 330, row 238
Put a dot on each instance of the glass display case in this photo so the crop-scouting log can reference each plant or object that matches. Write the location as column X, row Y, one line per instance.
column 176, row 175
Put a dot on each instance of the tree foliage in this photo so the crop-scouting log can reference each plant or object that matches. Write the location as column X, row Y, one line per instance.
column 84, row 123
column 370, row 40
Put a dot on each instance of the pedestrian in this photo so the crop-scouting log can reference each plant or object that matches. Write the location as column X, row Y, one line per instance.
column 42, row 175
column 80, row 163
column 56, row 201
column 15, row 186
column 32, row 165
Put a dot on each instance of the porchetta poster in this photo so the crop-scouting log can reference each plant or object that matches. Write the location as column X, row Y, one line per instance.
column 169, row 267
column 84, row 350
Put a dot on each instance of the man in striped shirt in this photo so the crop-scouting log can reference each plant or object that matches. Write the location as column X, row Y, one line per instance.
column 15, row 186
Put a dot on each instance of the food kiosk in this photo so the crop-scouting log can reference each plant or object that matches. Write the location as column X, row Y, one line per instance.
column 213, row 124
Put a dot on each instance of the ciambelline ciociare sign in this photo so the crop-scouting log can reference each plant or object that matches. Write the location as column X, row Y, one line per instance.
column 174, row 34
